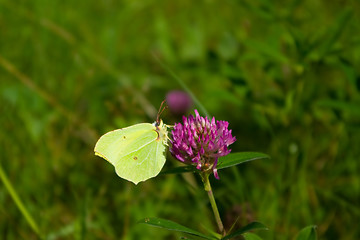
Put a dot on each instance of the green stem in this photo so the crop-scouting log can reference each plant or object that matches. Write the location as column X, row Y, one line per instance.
column 207, row 186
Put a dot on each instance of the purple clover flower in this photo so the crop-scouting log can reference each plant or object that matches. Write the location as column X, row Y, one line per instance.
column 200, row 142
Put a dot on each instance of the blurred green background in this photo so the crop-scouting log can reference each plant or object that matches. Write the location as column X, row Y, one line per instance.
column 285, row 74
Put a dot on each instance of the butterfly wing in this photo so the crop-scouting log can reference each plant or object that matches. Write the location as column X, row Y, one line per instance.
column 136, row 152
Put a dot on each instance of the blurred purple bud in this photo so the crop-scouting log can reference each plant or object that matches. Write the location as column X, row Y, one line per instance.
column 179, row 102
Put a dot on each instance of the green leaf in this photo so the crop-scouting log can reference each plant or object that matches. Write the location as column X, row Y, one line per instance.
column 247, row 228
column 251, row 236
column 227, row 161
column 237, row 158
column 170, row 225
column 307, row 233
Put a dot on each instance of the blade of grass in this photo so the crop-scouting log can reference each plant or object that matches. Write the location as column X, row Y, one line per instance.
column 18, row 202
column 335, row 32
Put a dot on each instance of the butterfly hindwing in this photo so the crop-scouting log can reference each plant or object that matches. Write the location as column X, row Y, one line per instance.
column 142, row 164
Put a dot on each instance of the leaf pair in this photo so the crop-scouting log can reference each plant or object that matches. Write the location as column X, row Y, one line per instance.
column 307, row 233
column 173, row 226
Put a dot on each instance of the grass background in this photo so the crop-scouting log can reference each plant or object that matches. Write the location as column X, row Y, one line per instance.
column 285, row 74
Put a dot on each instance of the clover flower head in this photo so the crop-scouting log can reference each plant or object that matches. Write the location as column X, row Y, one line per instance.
column 198, row 141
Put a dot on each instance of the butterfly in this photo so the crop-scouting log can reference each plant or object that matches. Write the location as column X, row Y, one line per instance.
column 137, row 152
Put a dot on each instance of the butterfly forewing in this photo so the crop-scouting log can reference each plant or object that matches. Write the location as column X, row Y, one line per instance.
column 121, row 141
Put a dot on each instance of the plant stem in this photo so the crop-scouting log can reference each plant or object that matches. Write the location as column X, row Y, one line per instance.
column 207, row 186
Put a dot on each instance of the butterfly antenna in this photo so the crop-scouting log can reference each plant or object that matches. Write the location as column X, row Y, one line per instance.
column 161, row 110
